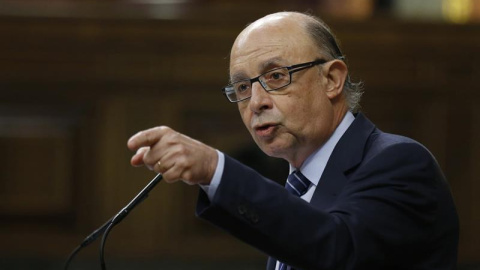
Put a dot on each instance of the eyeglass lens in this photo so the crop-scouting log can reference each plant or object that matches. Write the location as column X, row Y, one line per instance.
column 271, row 80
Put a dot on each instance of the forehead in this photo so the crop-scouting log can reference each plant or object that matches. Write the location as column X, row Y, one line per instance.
column 268, row 43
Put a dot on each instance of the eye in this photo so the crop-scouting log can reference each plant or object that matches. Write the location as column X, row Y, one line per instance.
column 242, row 87
column 276, row 76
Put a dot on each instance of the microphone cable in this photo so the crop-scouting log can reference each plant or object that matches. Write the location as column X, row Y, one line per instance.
column 102, row 245
column 105, row 228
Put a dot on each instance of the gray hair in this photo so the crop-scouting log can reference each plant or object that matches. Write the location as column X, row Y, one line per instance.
column 327, row 43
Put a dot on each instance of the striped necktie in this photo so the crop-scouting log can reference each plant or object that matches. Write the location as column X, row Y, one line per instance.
column 297, row 184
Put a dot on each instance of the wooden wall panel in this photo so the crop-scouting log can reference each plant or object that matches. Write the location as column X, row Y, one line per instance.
column 37, row 160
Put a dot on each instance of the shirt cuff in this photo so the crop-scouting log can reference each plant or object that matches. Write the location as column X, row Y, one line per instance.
column 217, row 177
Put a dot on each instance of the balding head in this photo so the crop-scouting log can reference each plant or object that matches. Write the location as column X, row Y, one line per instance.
column 278, row 19
column 310, row 29
column 290, row 25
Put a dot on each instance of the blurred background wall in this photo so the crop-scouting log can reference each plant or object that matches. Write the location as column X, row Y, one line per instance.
column 78, row 78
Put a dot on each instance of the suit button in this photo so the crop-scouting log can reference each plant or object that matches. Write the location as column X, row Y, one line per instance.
column 254, row 218
column 242, row 209
column 251, row 216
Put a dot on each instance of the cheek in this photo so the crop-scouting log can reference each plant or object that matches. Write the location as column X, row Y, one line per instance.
column 310, row 111
column 300, row 107
column 245, row 115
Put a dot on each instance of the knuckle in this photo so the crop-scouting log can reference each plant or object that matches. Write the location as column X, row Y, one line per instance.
column 149, row 167
column 170, row 177
column 170, row 137
column 142, row 150
column 174, row 136
column 183, row 162
column 149, row 137
column 150, row 162
column 147, row 157
column 187, row 176
column 182, row 149
column 157, row 168
column 167, row 179
column 164, row 130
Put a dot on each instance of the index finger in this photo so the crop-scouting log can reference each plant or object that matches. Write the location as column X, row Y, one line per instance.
column 147, row 137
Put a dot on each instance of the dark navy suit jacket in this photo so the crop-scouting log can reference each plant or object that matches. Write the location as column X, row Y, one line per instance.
column 381, row 203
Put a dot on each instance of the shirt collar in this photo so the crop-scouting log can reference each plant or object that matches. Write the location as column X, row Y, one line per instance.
column 314, row 165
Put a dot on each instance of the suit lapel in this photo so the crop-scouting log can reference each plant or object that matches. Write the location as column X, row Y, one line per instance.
column 347, row 154
column 330, row 184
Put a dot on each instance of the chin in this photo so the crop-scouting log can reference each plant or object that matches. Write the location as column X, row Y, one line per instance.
column 277, row 151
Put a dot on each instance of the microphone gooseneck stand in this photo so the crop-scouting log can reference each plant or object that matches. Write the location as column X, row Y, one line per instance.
column 106, row 228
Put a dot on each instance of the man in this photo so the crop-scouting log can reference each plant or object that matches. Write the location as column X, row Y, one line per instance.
column 371, row 200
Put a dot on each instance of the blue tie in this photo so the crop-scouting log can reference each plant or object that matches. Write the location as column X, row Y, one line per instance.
column 297, row 184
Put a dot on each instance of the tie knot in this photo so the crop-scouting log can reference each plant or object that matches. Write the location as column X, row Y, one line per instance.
column 297, row 183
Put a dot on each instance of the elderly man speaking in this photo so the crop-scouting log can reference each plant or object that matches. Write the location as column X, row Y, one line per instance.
column 356, row 197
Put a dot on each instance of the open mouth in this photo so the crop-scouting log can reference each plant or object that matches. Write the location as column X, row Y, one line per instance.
column 265, row 130
column 264, row 127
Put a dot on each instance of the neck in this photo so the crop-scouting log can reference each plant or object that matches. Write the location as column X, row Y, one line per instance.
column 301, row 155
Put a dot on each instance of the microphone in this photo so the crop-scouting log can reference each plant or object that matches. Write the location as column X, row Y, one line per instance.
column 105, row 228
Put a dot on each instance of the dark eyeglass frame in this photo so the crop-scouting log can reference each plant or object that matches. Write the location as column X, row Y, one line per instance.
column 291, row 69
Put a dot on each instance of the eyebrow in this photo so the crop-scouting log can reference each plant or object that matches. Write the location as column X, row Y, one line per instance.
column 239, row 76
column 271, row 63
column 265, row 66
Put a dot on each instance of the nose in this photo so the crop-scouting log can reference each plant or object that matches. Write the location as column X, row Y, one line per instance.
column 260, row 100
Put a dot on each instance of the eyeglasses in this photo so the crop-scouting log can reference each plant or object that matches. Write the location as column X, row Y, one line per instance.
column 272, row 80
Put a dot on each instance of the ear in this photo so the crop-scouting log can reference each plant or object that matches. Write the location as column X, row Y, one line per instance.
column 335, row 72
